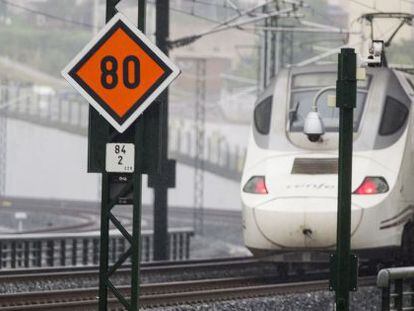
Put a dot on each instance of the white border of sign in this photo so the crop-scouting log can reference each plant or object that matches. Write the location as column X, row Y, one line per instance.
column 174, row 74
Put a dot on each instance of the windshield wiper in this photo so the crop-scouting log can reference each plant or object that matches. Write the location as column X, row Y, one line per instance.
column 293, row 113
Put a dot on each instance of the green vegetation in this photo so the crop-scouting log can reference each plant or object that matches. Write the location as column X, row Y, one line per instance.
column 46, row 50
column 48, row 47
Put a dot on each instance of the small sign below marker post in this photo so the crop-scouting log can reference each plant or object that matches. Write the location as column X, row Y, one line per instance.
column 120, row 158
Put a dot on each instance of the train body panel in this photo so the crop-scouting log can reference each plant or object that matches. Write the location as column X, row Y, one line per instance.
column 298, row 212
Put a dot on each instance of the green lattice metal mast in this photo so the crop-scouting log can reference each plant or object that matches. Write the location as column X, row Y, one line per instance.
column 100, row 133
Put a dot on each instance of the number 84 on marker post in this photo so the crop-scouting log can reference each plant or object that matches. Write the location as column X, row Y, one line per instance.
column 120, row 72
column 120, row 158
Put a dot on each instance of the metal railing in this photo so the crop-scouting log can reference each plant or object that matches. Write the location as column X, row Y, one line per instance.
column 81, row 249
column 69, row 113
column 397, row 286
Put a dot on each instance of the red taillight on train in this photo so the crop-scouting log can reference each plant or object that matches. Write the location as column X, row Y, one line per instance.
column 372, row 185
column 256, row 185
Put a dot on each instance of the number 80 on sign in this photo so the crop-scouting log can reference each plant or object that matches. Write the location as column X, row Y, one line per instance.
column 120, row 72
column 120, row 158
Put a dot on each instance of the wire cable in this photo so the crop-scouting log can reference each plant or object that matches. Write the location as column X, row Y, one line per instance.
column 325, row 16
column 206, row 3
column 192, row 14
column 51, row 16
column 86, row 25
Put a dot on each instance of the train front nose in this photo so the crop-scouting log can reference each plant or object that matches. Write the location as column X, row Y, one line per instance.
column 301, row 222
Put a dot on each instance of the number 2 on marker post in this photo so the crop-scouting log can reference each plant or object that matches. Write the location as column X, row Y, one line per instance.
column 120, row 158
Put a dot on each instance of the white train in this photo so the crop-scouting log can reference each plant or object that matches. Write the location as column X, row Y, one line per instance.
column 289, row 183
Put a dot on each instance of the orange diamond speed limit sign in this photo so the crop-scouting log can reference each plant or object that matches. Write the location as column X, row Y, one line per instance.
column 120, row 72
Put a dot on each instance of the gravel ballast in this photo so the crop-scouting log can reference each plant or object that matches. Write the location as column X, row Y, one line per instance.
column 366, row 299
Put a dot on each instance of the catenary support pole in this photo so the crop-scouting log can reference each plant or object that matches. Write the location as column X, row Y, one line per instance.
column 137, row 186
column 346, row 267
column 163, row 180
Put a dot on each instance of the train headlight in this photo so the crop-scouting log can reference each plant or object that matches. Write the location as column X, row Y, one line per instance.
column 256, row 185
column 372, row 185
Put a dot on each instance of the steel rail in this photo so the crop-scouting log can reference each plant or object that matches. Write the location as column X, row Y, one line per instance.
column 39, row 297
column 165, row 294
column 14, row 275
column 242, row 292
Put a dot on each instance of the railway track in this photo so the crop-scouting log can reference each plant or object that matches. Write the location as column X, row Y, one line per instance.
column 147, row 269
column 166, row 294
column 74, row 277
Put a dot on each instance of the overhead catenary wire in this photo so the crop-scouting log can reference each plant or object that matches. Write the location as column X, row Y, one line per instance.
column 228, row 25
column 191, row 14
column 234, row 6
column 51, row 16
column 305, row 30
column 87, row 25
column 209, row 3
column 333, row 51
column 232, row 22
column 220, row 24
column 244, row 13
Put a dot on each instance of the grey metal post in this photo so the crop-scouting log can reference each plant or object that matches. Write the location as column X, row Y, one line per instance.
column 399, row 298
column 411, row 285
column 165, row 178
column 200, row 115
column 385, row 299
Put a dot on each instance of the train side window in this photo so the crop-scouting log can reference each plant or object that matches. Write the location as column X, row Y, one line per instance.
column 262, row 114
column 394, row 116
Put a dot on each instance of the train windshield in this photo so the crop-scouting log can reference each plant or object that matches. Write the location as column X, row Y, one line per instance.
column 304, row 89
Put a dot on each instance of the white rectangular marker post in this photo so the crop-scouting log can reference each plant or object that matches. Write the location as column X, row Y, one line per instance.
column 120, row 158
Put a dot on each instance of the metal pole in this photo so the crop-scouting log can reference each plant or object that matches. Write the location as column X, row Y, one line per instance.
column 199, row 144
column 105, row 210
column 108, row 202
column 137, row 186
column 95, row 17
column 265, row 54
column 399, row 296
column 3, row 146
column 103, row 260
column 136, row 236
column 161, row 249
column 274, row 49
column 346, row 101
column 385, row 299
